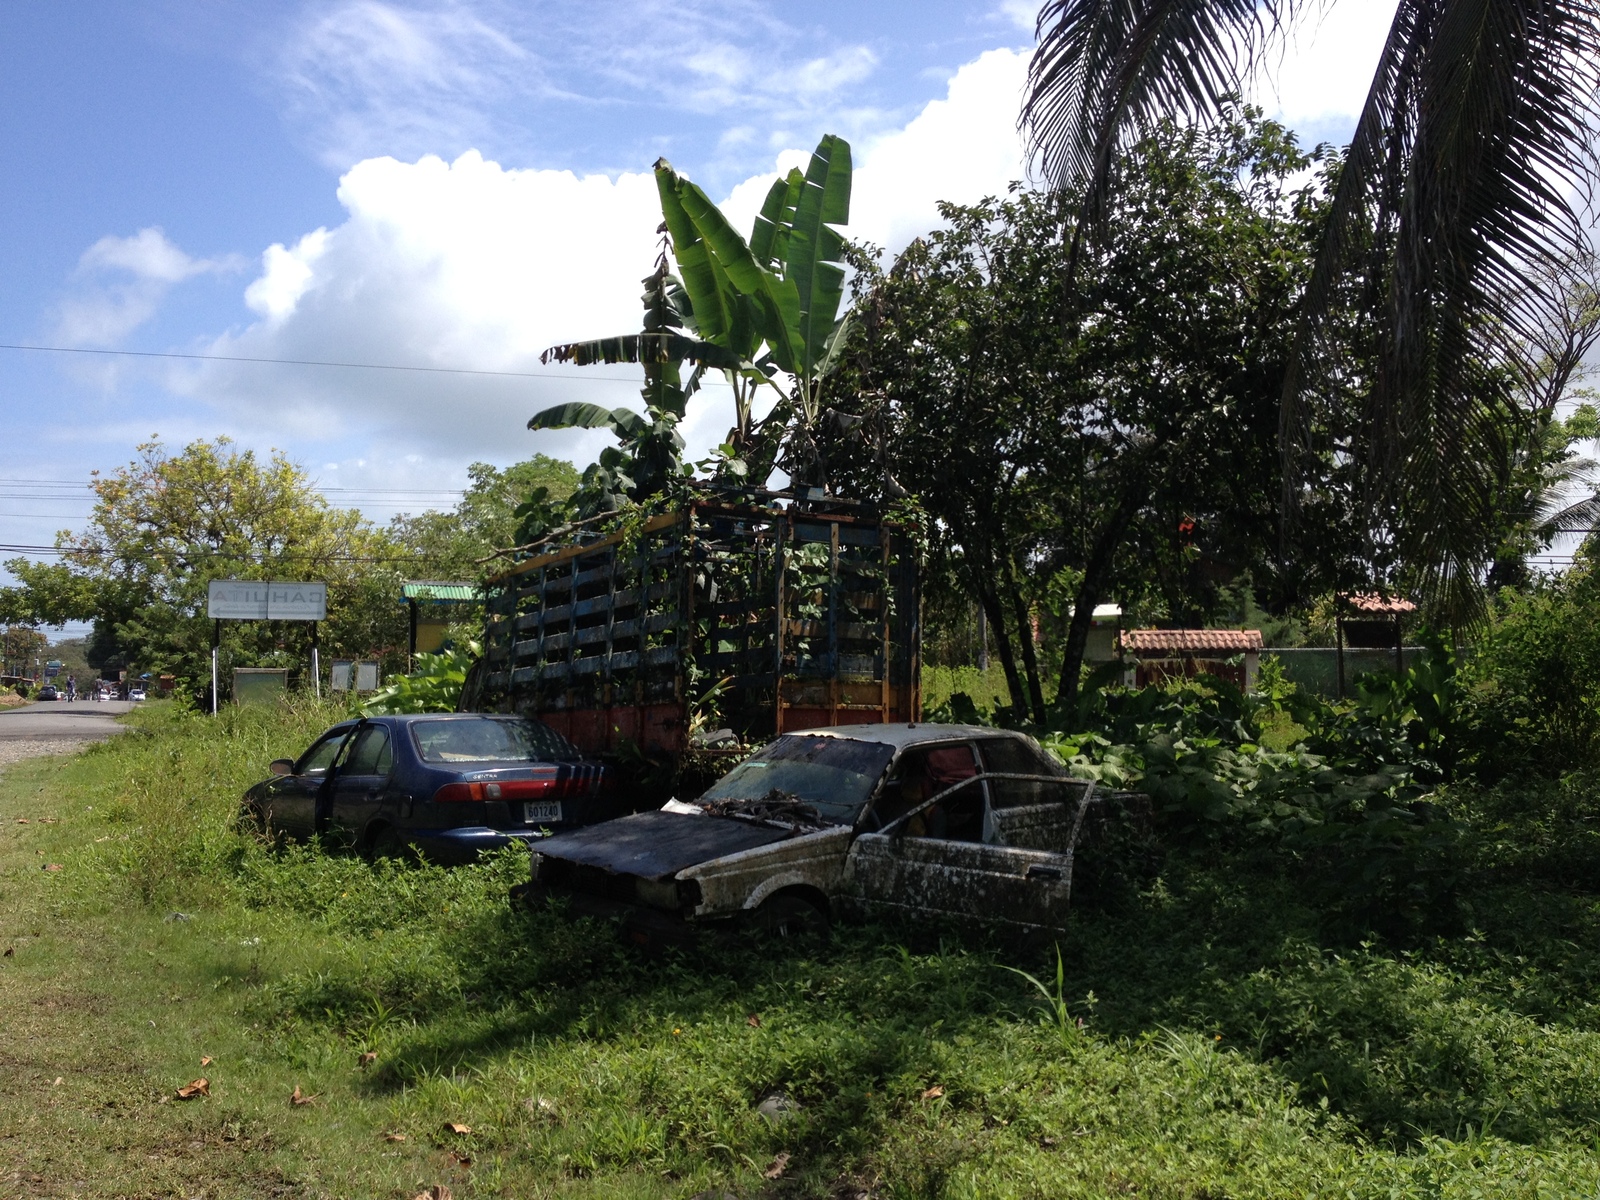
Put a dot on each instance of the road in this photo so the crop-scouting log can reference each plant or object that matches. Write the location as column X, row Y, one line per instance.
column 57, row 728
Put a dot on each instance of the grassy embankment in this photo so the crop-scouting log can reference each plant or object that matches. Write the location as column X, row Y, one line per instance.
column 1226, row 1048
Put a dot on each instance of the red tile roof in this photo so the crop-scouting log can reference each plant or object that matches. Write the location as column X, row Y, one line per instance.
column 1371, row 602
column 1190, row 641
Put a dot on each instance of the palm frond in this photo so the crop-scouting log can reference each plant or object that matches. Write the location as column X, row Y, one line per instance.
column 1451, row 203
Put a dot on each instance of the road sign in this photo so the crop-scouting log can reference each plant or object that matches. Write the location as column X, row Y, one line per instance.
column 253, row 600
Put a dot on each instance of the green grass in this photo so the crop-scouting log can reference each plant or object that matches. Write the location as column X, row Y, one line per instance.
column 1219, row 1039
column 986, row 689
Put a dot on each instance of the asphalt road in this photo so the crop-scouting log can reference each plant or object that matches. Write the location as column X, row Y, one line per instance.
column 80, row 721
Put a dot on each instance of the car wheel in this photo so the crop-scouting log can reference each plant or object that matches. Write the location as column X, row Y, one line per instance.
column 390, row 842
column 790, row 918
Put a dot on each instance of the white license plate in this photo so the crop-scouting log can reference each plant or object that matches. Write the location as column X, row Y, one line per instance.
column 535, row 812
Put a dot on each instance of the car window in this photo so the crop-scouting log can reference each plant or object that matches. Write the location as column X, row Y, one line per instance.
column 834, row 775
column 319, row 758
column 490, row 739
column 370, row 755
column 922, row 774
column 1012, row 756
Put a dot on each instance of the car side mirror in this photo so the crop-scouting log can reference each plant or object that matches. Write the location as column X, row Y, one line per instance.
column 281, row 766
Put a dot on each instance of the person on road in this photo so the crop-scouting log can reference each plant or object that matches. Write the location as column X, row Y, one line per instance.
column 72, row 688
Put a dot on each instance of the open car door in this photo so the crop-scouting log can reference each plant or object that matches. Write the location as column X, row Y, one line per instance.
column 935, row 853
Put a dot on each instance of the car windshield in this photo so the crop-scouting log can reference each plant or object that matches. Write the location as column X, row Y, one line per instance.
column 489, row 739
column 833, row 775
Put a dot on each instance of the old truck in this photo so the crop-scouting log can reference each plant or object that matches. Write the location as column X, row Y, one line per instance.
column 754, row 618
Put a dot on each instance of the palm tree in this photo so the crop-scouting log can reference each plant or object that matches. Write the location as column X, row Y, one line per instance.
column 1452, row 200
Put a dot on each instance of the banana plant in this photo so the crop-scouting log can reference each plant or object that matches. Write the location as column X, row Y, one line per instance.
column 773, row 301
column 650, row 450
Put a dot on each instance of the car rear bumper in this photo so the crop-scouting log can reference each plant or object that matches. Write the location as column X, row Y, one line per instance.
column 465, row 843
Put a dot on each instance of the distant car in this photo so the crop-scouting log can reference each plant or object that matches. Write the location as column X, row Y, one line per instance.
column 47, row 692
column 136, row 693
column 445, row 785
column 926, row 821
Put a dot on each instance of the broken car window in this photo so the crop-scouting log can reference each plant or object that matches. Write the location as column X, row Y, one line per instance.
column 1010, row 756
column 490, row 739
column 923, row 774
column 831, row 774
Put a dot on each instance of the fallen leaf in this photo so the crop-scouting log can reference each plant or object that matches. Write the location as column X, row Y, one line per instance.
column 934, row 1092
column 753, row 1021
column 368, row 1056
column 777, row 1167
column 22, row 820
column 206, row 1060
column 298, row 1099
column 107, row 838
column 462, row 1161
column 57, row 1083
column 394, row 1137
column 47, row 820
column 196, row 1087
column 437, row 1192
column 457, row 1127
column 52, row 867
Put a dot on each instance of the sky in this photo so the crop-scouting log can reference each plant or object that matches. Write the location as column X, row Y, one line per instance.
column 446, row 185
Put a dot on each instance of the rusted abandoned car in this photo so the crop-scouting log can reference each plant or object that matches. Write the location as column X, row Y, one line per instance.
column 852, row 821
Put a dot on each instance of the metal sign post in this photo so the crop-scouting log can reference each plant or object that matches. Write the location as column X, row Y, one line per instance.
column 270, row 600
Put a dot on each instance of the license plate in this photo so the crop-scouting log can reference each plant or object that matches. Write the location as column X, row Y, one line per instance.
column 537, row 812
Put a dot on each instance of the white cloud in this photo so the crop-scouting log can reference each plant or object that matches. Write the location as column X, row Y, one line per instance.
column 1324, row 70
column 120, row 283
column 470, row 264
column 365, row 77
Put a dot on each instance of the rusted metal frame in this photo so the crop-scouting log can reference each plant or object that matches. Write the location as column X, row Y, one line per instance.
column 686, row 636
column 1087, row 799
column 981, row 777
column 606, row 697
column 835, row 658
column 884, row 609
column 779, row 570
column 651, row 526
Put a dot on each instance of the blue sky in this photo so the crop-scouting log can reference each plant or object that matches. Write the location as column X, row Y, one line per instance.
column 446, row 184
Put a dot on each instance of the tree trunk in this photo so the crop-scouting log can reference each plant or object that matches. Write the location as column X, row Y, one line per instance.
column 989, row 598
column 1030, row 656
column 1097, row 576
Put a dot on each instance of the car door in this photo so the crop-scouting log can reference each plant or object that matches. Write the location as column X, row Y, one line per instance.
column 361, row 782
column 1032, row 804
column 941, row 867
column 292, row 798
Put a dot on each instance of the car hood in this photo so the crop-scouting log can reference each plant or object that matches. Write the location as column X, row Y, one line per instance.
column 656, row 845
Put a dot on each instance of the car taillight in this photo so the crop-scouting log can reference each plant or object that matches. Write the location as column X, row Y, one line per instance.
column 507, row 789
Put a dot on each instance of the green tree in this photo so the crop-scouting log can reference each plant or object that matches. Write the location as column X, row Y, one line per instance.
column 166, row 525
column 458, row 544
column 1452, row 201
column 1115, row 435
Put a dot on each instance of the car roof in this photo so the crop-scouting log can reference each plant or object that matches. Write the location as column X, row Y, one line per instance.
column 408, row 718
column 902, row 735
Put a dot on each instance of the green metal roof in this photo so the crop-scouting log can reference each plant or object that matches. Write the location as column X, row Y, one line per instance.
column 440, row 593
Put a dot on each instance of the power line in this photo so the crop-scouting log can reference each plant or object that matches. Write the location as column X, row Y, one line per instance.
column 242, row 558
column 312, row 362
column 78, row 483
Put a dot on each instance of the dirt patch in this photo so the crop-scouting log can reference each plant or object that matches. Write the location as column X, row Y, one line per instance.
column 15, row 750
column 11, row 700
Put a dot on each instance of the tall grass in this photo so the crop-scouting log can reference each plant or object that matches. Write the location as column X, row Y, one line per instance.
column 1202, row 1034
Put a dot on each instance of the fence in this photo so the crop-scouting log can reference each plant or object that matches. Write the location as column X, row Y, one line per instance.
column 1316, row 668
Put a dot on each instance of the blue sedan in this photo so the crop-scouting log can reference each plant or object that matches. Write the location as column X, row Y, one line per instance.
column 445, row 785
